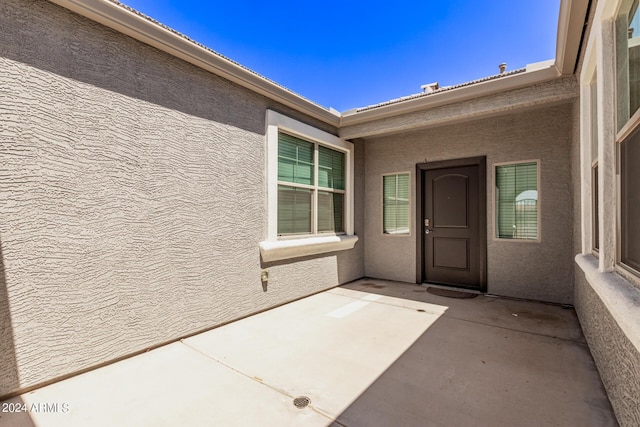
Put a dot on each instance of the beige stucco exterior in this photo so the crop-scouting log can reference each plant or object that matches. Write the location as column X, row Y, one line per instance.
column 133, row 198
column 133, row 189
column 606, row 297
column 535, row 270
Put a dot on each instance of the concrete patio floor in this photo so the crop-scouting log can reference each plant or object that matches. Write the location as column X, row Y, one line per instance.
column 370, row 353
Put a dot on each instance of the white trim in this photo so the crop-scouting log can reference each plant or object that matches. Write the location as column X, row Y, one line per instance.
column 538, row 204
column 619, row 296
column 285, row 249
column 573, row 14
column 588, row 78
column 632, row 124
column 608, row 188
column 290, row 247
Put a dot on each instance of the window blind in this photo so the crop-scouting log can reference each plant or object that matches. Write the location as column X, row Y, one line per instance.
column 330, row 168
column 330, row 212
column 395, row 205
column 306, row 189
column 517, row 201
column 295, row 160
column 294, row 210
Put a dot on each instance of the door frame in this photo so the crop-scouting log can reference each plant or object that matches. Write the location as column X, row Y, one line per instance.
column 421, row 169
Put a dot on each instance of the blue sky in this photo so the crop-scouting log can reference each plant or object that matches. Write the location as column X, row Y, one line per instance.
column 347, row 54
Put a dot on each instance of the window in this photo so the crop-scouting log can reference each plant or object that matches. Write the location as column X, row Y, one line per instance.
column 595, row 230
column 517, row 201
column 311, row 187
column 628, row 61
column 630, row 201
column 628, row 138
column 595, row 207
column 309, row 190
column 395, row 204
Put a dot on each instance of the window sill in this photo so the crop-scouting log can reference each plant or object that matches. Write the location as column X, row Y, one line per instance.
column 295, row 248
column 621, row 297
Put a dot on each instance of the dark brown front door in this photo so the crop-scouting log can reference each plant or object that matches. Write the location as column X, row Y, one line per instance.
column 453, row 244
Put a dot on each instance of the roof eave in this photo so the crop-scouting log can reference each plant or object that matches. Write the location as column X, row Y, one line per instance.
column 140, row 28
column 536, row 75
column 570, row 30
column 571, row 25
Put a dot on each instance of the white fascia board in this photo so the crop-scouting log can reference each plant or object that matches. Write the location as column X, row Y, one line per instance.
column 140, row 28
column 571, row 21
column 540, row 73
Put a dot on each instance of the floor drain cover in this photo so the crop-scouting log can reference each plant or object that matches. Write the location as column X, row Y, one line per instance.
column 449, row 293
column 301, row 402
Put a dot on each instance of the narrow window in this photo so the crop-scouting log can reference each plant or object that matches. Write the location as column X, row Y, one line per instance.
column 395, row 204
column 517, row 201
column 595, row 218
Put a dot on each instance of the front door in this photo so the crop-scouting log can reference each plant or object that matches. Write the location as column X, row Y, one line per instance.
column 453, row 224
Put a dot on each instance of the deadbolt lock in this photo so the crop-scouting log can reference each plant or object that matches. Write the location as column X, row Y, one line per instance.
column 426, row 222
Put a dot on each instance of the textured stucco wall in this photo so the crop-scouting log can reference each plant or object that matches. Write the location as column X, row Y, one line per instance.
column 617, row 359
column 540, row 271
column 132, row 198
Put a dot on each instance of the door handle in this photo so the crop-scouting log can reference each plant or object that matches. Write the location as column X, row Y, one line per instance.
column 427, row 230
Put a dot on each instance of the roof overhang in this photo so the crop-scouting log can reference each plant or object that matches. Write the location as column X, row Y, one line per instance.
column 571, row 24
column 126, row 21
column 543, row 94
column 536, row 73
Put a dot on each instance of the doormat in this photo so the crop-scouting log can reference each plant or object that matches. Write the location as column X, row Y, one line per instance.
column 449, row 293
column 372, row 285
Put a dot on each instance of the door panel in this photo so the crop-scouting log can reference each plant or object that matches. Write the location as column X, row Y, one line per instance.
column 451, row 191
column 451, row 253
column 452, row 226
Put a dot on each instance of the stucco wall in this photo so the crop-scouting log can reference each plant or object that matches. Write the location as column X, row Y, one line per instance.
column 132, row 189
column 617, row 359
column 540, row 271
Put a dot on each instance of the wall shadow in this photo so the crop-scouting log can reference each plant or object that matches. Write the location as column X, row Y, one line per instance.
column 16, row 414
column 475, row 365
column 9, row 377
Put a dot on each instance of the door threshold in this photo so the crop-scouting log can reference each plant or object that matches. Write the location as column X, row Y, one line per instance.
column 451, row 288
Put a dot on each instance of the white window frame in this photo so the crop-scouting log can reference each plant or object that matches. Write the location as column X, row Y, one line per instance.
column 538, row 204
column 275, row 248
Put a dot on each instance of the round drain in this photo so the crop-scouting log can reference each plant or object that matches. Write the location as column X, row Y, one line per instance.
column 301, row 402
